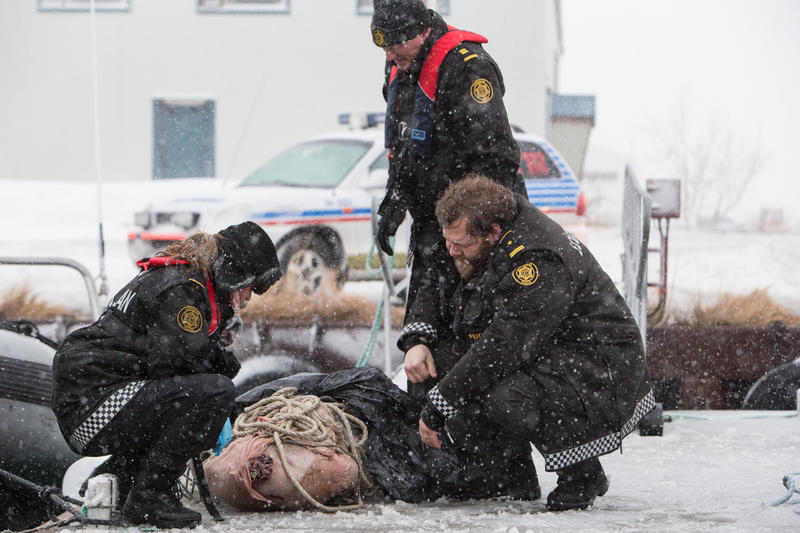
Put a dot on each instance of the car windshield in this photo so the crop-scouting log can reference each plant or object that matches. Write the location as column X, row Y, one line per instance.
column 312, row 164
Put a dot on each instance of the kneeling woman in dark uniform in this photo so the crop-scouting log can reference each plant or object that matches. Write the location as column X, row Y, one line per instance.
column 150, row 381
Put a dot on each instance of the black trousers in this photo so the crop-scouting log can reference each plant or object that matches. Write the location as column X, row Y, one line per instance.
column 427, row 256
column 167, row 422
column 514, row 405
column 494, row 434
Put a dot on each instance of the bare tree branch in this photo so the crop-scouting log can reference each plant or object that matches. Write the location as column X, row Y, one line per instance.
column 714, row 164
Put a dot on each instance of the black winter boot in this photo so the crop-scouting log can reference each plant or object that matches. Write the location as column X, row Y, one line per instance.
column 161, row 509
column 528, row 490
column 153, row 498
column 523, row 483
column 578, row 486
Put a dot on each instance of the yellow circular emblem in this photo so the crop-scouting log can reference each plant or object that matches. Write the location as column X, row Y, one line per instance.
column 190, row 319
column 378, row 37
column 526, row 274
column 481, row 91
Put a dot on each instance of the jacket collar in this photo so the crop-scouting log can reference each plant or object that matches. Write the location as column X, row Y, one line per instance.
column 159, row 261
column 438, row 28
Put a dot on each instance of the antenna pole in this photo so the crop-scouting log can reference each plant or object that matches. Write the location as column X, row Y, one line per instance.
column 97, row 167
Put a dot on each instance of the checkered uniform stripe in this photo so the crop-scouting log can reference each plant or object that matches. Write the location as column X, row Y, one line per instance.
column 606, row 444
column 644, row 406
column 101, row 416
column 419, row 328
column 441, row 405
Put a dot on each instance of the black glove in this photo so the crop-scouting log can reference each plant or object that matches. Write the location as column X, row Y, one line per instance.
column 225, row 363
column 384, row 235
column 392, row 210
column 392, row 213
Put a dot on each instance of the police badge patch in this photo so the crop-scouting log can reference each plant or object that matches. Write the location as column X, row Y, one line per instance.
column 481, row 91
column 378, row 38
column 190, row 319
column 526, row 274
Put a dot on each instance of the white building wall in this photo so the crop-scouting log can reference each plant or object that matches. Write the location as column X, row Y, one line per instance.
column 275, row 78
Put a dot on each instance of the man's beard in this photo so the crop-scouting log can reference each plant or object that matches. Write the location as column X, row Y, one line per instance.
column 467, row 268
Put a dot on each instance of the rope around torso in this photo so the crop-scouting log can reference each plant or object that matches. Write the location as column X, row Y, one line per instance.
column 306, row 425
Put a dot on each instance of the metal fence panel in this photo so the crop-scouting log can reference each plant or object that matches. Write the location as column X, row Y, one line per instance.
column 636, row 210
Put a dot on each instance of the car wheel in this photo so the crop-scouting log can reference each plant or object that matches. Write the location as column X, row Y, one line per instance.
column 308, row 260
column 307, row 269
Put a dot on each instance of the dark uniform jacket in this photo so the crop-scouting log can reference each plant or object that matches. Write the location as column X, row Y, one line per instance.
column 542, row 305
column 470, row 131
column 156, row 326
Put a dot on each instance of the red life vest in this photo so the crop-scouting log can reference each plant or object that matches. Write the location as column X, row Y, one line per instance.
column 422, row 118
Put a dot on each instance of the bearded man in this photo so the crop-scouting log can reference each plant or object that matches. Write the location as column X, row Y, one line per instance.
column 525, row 334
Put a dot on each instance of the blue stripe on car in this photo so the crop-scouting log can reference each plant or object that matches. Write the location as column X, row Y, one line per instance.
column 316, row 213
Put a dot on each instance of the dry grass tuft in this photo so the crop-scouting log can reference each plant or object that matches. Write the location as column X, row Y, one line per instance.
column 282, row 302
column 754, row 309
column 285, row 301
column 22, row 302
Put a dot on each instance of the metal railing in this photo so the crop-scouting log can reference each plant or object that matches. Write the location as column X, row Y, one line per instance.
column 62, row 261
column 636, row 210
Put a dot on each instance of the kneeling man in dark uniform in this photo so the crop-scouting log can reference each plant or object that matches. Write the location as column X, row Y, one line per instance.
column 525, row 333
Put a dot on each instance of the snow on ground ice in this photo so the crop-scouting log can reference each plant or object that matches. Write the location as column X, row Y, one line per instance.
column 710, row 471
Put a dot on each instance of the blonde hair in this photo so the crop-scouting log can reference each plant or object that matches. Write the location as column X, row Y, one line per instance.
column 200, row 249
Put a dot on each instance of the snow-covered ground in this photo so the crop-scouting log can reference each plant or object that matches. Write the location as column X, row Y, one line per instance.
column 710, row 471
column 701, row 475
column 60, row 219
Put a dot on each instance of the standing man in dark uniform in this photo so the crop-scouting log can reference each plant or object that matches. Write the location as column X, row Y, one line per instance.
column 444, row 117
column 149, row 382
column 528, row 335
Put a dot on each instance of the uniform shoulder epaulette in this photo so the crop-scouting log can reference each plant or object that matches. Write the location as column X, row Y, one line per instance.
column 521, row 265
column 465, row 54
column 511, row 245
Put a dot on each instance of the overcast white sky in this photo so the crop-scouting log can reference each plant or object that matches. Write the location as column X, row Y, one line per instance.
column 731, row 59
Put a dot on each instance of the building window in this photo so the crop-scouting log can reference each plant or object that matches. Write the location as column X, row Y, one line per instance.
column 84, row 5
column 364, row 7
column 184, row 137
column 243, row 6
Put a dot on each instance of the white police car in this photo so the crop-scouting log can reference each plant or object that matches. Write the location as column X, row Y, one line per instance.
column 315, row 200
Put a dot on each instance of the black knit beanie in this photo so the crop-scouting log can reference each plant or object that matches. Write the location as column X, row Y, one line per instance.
column 246, row 257
column 397, row 21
